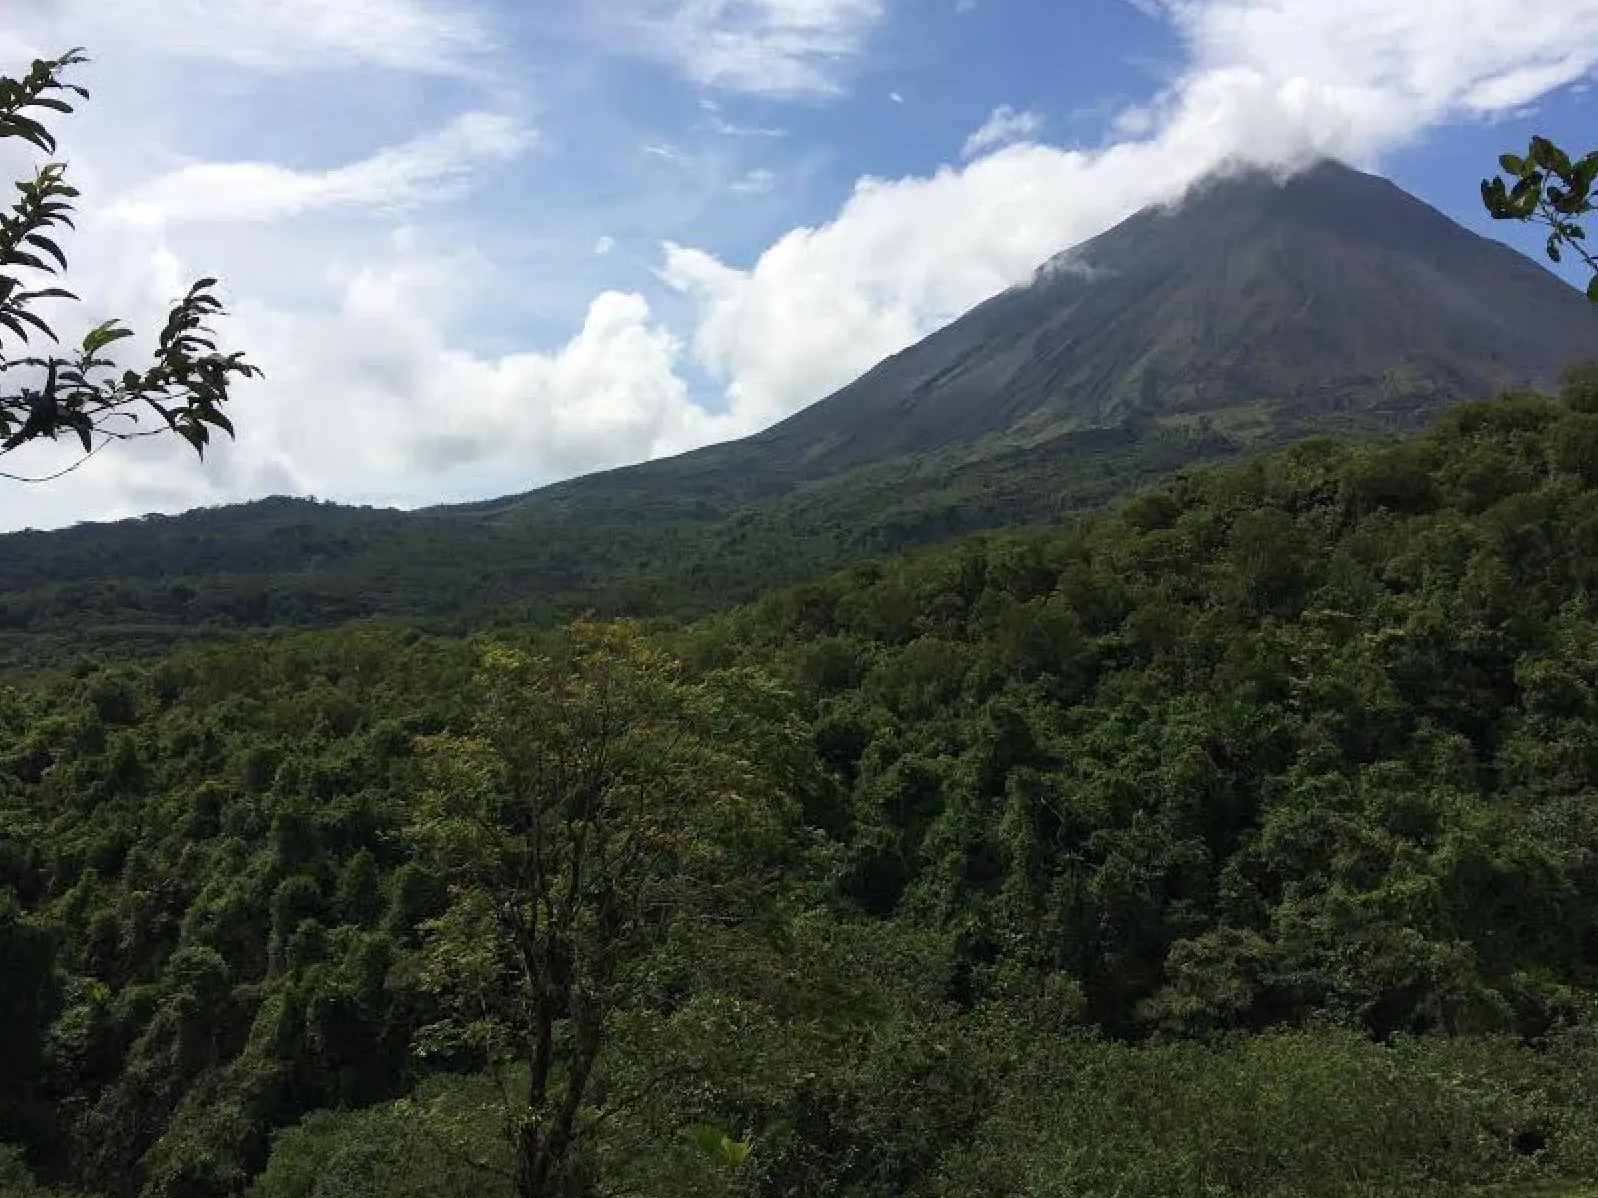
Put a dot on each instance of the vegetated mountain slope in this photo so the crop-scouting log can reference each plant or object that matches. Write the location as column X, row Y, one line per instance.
column 1290, row 307
column 1290, row 762
column 1252, row 313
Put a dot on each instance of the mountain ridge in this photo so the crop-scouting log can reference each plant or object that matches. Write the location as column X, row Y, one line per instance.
column 1102, row 371
column 1248, row 313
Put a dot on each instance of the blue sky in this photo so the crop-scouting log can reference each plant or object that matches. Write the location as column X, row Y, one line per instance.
column 482, row 245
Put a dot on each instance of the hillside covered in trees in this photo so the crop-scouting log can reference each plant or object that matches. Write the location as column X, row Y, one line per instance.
column 1241, row 840
column 1254, row 313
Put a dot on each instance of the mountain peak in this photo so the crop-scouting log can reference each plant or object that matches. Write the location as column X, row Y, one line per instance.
column 1267, row 304
column 1232, row 189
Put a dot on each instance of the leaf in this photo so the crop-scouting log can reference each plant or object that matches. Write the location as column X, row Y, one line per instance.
column 47, row 293
column 1586, row 173
column 28, row 317
column 1494, row 196
column 12, row 323
column 103, row 335
column 24, row 259
column 706, row 1138
column 715, row 1142
column 1592, row 289
column 48, row 246
column 29, row 130
column 222, row 422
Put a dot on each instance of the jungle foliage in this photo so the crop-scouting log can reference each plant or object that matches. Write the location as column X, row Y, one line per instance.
column 1240, row 840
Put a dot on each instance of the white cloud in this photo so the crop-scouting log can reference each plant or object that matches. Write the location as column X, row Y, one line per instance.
column 426, row 169
column 271, row 35
column 15, row 48
column 1004, row 126
column 373, row 399
column 755, row 182
column 728, row 128
column 400, row 402
column 825, row 304
column 1431, row 57
column 783, row 48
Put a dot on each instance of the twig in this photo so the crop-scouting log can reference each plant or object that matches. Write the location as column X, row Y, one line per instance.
column 45, row 478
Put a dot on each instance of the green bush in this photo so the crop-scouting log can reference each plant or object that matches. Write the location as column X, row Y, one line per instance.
column 1315, row 1114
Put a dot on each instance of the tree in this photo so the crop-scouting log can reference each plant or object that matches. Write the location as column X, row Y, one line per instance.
column 604, row 808
column 1546, row 187
column 45, row 397
column 27, row 1004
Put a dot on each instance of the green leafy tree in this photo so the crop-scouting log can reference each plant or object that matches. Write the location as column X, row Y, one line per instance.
column 438, row 1144
column 605, row 808
column 46, row 396
column 1547, row 187
column 26, row 1005
column 17, row 1182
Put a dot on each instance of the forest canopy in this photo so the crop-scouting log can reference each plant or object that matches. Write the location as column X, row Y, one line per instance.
column 1239, row 840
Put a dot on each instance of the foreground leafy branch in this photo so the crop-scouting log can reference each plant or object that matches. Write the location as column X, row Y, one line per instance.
column 45, row 396
column 1546, row 187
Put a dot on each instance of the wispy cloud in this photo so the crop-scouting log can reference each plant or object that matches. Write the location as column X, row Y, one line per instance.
column 428, row 168
column 721, row 125
column 779, row 48
column 1005, row 126
column 427, row 36
column 755, row 182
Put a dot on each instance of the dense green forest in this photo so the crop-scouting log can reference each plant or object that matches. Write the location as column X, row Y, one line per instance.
column 666, row 543
column 1241, row 840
